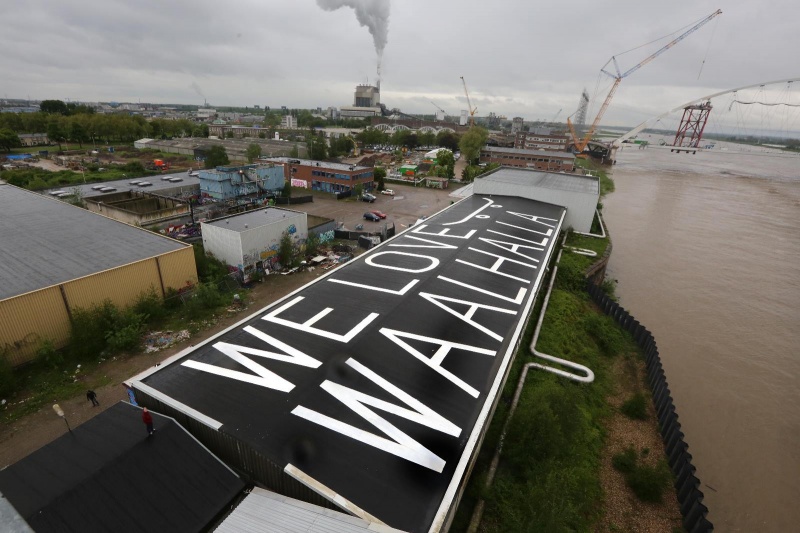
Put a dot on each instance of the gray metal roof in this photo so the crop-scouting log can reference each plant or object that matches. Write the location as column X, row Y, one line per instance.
column 520, row 151
column 254, row 219
column 547, row 180
column 321, row 164
column 263, row 510
column 44, row 241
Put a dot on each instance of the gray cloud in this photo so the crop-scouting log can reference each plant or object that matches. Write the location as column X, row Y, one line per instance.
column 518, row 57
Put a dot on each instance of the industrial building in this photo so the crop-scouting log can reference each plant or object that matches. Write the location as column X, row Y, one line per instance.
column 579, row 194
column 324, row 176
column 517, row 124
column 540, row 140
column 366, row 103
column 230, row 182
column 371, row 388
column 56, row 258
column 138, row 208
column 236, row 149
column 537, row 159
column 250, row 241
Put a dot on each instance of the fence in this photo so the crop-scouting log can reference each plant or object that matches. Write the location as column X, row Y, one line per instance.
column 690, row 496
column 284, row 200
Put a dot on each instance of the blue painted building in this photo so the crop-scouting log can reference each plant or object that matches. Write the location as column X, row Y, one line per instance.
column 229, row 182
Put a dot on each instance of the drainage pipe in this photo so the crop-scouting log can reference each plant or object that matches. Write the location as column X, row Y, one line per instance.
column 602, row 234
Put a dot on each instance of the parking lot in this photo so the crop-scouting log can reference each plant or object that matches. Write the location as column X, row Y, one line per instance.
column 404, row 208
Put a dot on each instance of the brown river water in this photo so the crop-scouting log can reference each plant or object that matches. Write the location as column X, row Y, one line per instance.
column 707, row 256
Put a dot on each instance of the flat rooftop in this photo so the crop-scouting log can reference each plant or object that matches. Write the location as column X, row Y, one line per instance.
column 374, row 383
column 253, row 219
column 108, row 475
column 44, row 242
column 547, row 180
column 521, row 151
column 321, row 164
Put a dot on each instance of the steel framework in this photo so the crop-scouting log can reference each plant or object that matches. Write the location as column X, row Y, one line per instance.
column 692, row 125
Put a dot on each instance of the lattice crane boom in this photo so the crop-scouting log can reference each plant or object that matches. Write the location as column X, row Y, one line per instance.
column 469, row 104
column 581, row 144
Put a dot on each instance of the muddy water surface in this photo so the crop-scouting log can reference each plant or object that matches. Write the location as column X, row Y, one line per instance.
column 707, row 254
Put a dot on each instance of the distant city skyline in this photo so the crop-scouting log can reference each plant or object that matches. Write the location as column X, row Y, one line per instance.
column 518, row 58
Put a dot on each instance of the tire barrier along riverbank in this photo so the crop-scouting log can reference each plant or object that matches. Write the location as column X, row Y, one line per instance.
column 687, row 485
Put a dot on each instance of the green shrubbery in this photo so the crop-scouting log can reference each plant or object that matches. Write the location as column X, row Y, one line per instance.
column 647, row 482
column 635, row 407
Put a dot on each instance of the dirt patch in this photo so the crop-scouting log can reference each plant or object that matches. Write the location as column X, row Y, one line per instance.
column 623, row 510
column 31, row 432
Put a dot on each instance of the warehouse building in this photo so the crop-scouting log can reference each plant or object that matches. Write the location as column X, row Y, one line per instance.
column 579, row 194
column 138, row 208
column 250, row 241
column 56, row 258
column 228, row 182
column 371, row 388
column 536, row 159
column 325, row 176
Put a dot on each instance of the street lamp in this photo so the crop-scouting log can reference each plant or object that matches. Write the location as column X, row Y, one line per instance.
column 60, row 412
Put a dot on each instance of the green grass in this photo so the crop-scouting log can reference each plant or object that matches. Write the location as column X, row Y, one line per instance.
column 549, row 474
column 589, row 243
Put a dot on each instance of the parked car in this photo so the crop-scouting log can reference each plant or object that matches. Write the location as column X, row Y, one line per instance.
column 97, row 187
column 367, row 197
column 144, row 184
column 378, row 214
column 369, row 215
column 390, row 192
column 134, row 182
column 57, row 193
column 176, row 179
column 108, row 189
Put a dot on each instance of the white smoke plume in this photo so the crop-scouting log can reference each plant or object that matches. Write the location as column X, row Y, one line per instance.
column 374, row 14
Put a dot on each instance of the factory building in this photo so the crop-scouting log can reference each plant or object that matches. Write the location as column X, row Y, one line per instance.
column 516, row 124
column 57, row 258
column 324, row 176
column 366, row 103
column 579, row 194
column 229, row 182
column 138, row 208
column 536, row 159
column 250, row 241
column 540, row 140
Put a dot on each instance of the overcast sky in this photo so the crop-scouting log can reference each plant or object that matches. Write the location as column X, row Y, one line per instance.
column 520, row 58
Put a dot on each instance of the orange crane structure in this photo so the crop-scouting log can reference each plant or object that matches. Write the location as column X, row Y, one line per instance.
column 469, row 104
column 581, row 144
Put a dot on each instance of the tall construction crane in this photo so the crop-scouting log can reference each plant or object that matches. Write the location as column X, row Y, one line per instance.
column 439, row 108
column 557, row 115
column 469, row 104
column 580, row 145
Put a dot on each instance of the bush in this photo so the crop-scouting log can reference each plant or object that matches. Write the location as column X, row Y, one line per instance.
column 89, row 327
column 151, row 305
column 312, row 244
column 46, row 354
column 605, row 332
column 648, row 482
column 209, row 269
column 127, row 332
column 205, row 299
column 635, row 407
column 625, row 461
column 8, row 379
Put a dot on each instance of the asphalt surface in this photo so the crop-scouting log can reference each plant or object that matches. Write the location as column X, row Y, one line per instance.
column 159, row 182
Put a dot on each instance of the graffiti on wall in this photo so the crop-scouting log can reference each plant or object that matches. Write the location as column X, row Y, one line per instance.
column 326, row 236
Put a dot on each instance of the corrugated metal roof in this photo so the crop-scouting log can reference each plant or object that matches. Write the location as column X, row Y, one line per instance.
column 537, row 178
column 44, row 242
column 263, row 510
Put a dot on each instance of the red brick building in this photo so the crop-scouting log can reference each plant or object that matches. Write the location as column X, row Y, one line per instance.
column 535, row 159
column 324, row 176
